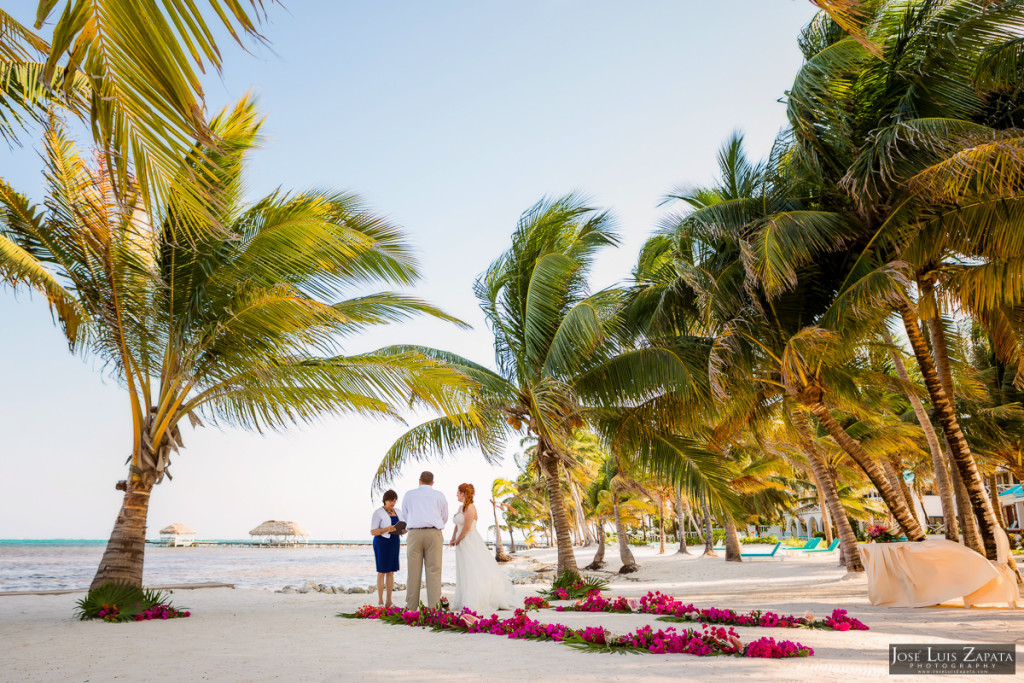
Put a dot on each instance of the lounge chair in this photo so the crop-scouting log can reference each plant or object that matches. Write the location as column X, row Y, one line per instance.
column 771, row 554
column 831, row 547
column 809, row 545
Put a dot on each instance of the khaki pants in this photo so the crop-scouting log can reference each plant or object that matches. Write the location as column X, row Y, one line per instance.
column 424, row 549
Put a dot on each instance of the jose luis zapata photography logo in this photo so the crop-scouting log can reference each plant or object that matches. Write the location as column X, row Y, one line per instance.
column 953, row 659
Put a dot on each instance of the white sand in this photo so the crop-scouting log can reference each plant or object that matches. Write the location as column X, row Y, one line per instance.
column 255, row 635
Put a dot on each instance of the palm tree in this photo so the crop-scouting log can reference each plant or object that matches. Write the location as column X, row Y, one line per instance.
column 558, row 358
column 500, row 488
column 738, row 274
column 221, row 325
column 917, row 146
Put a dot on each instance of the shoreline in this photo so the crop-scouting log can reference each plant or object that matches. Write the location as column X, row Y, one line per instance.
column 242, row 634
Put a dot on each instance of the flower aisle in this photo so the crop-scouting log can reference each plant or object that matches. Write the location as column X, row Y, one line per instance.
column 708, row 641
column 671, row 609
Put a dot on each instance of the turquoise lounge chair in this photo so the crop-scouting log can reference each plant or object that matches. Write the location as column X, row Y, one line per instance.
column 831, row 547
column 811, row 544
column 771, row 554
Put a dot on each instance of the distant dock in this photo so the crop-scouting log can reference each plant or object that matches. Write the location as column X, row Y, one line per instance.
column 257, row 544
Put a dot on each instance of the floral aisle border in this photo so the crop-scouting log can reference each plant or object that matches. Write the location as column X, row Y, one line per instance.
column 670, row 609
column 709, row 641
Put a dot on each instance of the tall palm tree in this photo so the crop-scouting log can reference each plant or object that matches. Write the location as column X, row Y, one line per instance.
column 222, row 324
column 560, row 363
column 741, row 275
column 917, row 146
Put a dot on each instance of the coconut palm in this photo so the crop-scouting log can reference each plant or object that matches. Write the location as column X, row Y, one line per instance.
column 500, row 488
column 918, row 148
column 559, row 363
column 240, row 328
column 737, row 272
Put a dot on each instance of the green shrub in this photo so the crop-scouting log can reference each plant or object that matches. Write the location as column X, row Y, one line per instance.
column 770, row 539
column 794, row 542
column 569, row 586
column 118, row 601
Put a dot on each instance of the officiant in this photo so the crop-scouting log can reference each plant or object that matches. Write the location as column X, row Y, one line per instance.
column 386, row 527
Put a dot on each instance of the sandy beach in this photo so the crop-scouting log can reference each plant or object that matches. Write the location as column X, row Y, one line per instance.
column 261, row 635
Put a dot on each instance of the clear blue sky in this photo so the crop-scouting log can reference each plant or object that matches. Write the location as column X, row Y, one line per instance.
column 451, row 118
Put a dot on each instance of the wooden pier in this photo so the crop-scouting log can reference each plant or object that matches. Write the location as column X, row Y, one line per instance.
column 256, row 544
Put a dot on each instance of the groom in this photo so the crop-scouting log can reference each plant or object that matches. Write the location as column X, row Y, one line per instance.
column 426, row 512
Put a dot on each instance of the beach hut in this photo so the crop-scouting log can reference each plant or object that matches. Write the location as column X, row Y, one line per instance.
column 273, row 532
column 177, row 535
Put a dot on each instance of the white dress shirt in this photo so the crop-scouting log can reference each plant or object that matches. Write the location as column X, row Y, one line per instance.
column 425, row 508
column 382, row 520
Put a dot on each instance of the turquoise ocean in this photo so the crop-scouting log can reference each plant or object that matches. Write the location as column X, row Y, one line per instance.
column 53, row 564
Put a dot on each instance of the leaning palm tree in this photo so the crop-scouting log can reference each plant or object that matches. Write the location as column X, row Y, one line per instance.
column 558, row 357
column 239, row 327
column 921, row 147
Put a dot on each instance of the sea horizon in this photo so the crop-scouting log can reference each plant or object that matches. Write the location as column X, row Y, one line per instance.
column 198, row 540
column 70, row 564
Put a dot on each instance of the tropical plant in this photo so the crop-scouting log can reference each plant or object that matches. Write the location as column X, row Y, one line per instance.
column 117, row 601
column 556, row 344
column 571, row 586
column 917, row 148
column 221, row 323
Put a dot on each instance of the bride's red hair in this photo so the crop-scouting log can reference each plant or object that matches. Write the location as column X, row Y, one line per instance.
column 467, row 490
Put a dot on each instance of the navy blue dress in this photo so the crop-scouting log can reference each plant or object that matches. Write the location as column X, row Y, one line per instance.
column 385, row 550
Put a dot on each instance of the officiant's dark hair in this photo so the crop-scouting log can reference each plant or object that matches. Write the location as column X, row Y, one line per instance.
column 427, row 478
column 390, row 495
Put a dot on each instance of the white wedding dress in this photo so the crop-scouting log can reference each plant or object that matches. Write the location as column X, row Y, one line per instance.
column 480, row 584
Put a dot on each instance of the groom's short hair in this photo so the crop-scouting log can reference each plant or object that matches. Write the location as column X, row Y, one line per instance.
column 427, row 478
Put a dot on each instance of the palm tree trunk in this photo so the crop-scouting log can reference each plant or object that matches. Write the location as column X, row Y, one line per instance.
column 680, row 515
column 732, row 540
column 625, row 554
column 661, row 517
column 583, row 533
column 499, row 549
column 847, row 537
column 560, row 520
column 696, row 527
column 598, row 562
column 897, row 465
column 893, row 500
column 709, row 536
column 993, row 492
column 826, row 518
column 897, row 483
column 972, row 539
column 942, row 481
column 940, row 389
column 125, row 551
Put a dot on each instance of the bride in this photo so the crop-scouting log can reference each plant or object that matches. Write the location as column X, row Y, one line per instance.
column 480, row 584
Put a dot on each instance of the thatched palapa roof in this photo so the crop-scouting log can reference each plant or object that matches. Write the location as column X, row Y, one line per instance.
column 178, row 529
column 275, row 528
